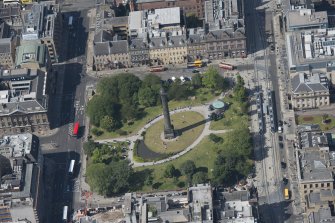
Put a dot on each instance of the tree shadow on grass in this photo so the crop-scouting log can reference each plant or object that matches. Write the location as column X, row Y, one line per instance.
column 202, row 169
column 138, row 179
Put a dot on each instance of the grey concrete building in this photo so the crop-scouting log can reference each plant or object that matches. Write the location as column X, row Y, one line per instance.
column 24, row 102
column 235, row 207
column 310, row 90
column 311, row 49
column 21, row 186
column 322, row 215
column 201, row 203
column 43, row 21
column 11, row 15
column 303, row 19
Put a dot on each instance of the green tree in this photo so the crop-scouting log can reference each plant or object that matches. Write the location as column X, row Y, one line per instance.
column 89, row 147
column 179, row 92
column 215, row 138
column 147, row 97
column 109, row 179
column 199, row 178
column 108, row 123
column 213, row 80
column 100, row 106
column 128, row 86
column 188, row 167
column 151, row 81
column 197, row 80
column 129, row 112
column 170, row 171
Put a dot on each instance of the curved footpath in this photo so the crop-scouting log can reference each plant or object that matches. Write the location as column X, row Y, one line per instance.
column 206, row 131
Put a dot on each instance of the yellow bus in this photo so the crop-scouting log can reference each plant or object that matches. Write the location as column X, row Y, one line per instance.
column 286, row 194
column 26, row 1
column 195, row 64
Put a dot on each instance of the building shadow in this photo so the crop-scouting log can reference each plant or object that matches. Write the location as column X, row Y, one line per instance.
column 187, row 128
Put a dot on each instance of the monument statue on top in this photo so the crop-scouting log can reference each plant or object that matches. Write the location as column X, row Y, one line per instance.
column 168, row 127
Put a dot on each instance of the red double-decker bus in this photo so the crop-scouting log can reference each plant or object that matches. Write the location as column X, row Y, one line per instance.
column 226, row 66
column 75, row 129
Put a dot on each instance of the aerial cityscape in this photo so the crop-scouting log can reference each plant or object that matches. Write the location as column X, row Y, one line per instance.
column 159, row 111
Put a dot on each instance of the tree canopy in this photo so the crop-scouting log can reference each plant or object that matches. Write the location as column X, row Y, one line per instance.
column 109, row 179
column 234, row 162
column 188, row 167
column 213, row 80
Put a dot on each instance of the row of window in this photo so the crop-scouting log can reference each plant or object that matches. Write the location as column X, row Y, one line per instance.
column 316, row 185
column 309, row 105
column 314, row 98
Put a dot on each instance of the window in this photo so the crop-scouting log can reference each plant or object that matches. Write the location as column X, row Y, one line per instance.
column 316, row 185
column 305, row 186
column 322, row 185
column 328, row 184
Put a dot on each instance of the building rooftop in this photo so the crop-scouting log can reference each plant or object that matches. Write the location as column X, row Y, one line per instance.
column 111, row 47
column 312, row 49
column 5, row 45
column 201, row 201
column 236, row 207
column 316, row 166
column 30, row 54
column 25, row 91
column 323, row 215
column 306, row 18
column 137, row 23
column 314, row 140
column 313, row 82
column 164, row 17
column 33, row 22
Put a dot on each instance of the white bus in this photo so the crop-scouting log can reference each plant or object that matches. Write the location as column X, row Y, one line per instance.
column 65, row 213
column 71, row 167
column 70, row 21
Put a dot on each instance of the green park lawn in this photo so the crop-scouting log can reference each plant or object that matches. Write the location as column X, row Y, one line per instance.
column 316, row 119
column 234, row 117
column 202, row 95
column 203, row 155
column 153, row 136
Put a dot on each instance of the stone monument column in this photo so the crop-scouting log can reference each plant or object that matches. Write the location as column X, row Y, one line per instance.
column 168, row 127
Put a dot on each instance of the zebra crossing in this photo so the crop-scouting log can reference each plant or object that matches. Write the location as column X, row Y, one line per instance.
column 76, row 186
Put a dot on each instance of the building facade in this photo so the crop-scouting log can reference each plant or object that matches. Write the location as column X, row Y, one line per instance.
column 310, row 91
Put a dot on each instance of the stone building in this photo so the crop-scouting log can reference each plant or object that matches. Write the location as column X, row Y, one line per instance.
column 168, row 50
column 189, row 7
column 310, row 90
column 139, row 52
column 23, row 101
column 111, row 55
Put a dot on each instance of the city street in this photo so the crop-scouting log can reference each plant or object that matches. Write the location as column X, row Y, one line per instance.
column 269, row 156
column 67, row 106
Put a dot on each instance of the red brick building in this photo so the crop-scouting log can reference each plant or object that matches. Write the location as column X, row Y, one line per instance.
column 188, row 6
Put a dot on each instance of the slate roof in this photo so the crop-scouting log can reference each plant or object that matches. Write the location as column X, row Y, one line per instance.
column 157, row 42
column 103, row 36
column 138, row 44
column 309, row 83
column 177, row 41
column 117, row 47
column 101, row 49
column 111, row 47
column 5, row 45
